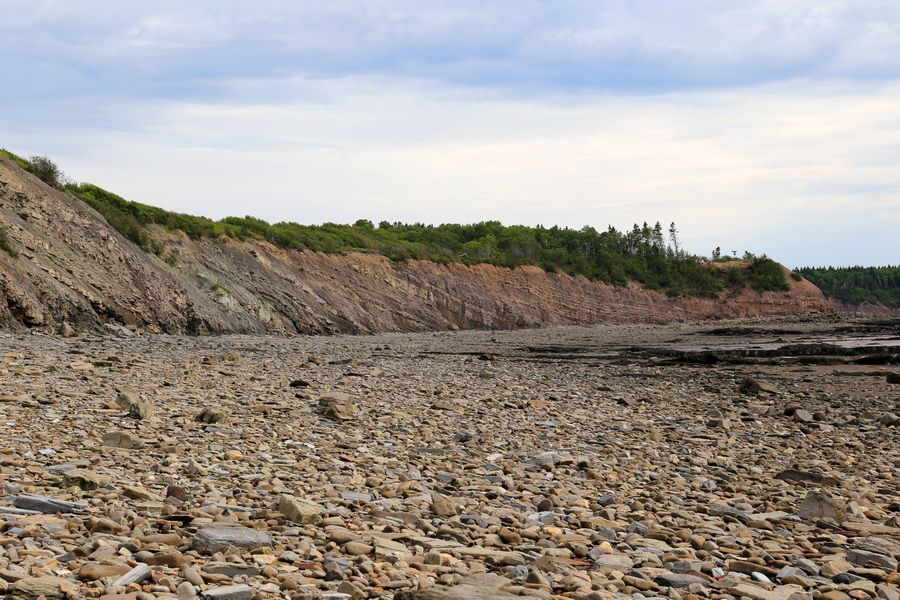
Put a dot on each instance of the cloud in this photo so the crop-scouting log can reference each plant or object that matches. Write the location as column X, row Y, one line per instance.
column 169, row 49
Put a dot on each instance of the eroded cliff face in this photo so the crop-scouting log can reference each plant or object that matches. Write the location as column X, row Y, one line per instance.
column 863, row 311
column 74, row 268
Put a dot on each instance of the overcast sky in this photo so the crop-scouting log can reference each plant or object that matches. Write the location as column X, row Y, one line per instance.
column 760, row 125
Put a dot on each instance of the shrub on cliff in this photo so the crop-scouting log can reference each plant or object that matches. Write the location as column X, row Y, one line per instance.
column 47, row 171
column 6, row 243
column 767, row 275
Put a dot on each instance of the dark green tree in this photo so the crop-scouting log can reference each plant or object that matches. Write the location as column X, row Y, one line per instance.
column 47, row 171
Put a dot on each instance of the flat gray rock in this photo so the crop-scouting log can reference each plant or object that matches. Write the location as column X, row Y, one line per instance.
column 680, row 580
column 47, row 505
column 218, row 537
column 231, row 569
column 229, row 592
column 12, row 510
column 865, row 558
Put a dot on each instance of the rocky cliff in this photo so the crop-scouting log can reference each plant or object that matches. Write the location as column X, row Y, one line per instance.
column 75, row 272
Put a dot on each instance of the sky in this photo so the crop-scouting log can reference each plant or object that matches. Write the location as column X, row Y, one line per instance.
column 755, row 125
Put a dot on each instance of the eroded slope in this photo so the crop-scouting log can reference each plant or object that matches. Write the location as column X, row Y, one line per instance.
column 72, row 267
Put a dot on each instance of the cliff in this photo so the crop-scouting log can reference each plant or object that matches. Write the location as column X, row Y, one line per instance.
column 73, row 268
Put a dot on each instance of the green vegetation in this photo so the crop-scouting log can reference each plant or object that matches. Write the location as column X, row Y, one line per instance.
column 858, row 285
column 761, row 274
column 40, row 166
column 16, row 159
column 47, row 171
column 645, row 254
column 128, row 218
column 640, row 255
column 6, row 244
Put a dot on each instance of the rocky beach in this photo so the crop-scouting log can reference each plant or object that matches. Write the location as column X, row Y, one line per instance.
column 450, row 300
column 736, row 460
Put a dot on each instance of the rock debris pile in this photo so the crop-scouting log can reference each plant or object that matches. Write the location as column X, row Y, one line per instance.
column 451, row 466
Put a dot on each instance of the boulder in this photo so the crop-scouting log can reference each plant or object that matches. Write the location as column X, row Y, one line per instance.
column 85, row 479
column 141, row 409
column 337, row 406
column 300, row 510
column 122, row 439
column 211, row 415
column 753, row 386
column 818, row 505
column 126, row 398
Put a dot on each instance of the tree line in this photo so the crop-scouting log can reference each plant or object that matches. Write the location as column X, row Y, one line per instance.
column 858, row 285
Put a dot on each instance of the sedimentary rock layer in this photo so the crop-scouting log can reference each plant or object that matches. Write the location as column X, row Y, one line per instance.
column 73, row 269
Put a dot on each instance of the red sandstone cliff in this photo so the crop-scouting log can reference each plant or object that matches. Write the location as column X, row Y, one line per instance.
column 73, row 267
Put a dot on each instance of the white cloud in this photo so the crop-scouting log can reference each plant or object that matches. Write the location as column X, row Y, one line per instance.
column 569, row 44
column 771, row 126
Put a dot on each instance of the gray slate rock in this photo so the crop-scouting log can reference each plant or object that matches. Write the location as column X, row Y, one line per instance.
column 865, row 558
column 680, row 580
column 796, row 476
column 218, row 537
column 818, row 505
column 13, row 511
column 46, row 505
column 229, row 592
column 231, row 569
column 720, row 510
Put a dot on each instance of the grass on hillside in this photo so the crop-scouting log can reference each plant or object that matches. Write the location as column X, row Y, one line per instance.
column 642, row 254
column 16, row 159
